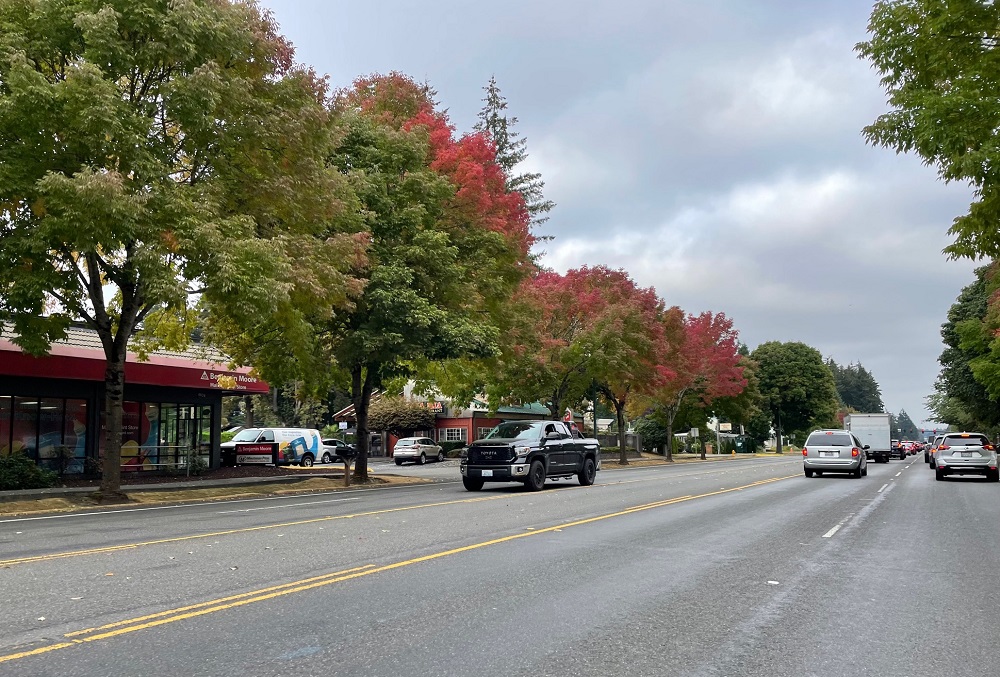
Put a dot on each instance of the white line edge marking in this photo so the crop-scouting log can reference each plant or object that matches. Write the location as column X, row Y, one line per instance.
column 831, row 532
column 209, row 503
column 882, row 489
column 201, row 504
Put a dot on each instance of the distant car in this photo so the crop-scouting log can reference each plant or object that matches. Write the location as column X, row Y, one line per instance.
column 898, row 451
column 966, row 454
column 334, row 449
column 834, row 451
column 416, row 449
column 929, row 451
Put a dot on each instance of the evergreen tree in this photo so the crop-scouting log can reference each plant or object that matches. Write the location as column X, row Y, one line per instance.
column 511, row 152
column 857, row 388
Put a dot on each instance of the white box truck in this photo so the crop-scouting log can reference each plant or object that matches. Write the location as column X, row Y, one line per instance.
column 873, row 430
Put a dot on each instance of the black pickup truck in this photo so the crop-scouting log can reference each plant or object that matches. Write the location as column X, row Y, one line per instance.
column 530, row 452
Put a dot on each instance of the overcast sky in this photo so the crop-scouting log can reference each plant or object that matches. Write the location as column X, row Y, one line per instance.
column 712, row 149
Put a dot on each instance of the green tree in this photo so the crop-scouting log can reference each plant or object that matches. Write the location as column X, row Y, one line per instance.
column 742, row 408
column 151, row 151
column 857, row 388
column 938, row 61
column 960, row 398
column 399, row 416
column 448, row 242
column 511, row 152
column 797, row 386
column 903, row 427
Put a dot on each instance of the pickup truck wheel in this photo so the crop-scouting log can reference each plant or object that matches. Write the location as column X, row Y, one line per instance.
column 588, row 473
column 422, row 459
column 536, row 477
column 306, row 461
column 326, row 457
column 472, row 484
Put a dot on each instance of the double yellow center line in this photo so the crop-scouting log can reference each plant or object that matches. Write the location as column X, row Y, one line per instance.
column 221, row 604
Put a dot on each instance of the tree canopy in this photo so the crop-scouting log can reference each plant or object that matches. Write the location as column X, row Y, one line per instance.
column 511, row 151
column 797, row 386
column 962, row 397
column 151, row 151
column 857, row 388
column 939, row 65
column 448, row 243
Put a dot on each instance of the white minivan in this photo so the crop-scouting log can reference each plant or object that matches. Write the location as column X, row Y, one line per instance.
column 302, row 446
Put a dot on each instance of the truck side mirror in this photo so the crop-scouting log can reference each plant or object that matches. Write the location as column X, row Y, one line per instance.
column 553, row 435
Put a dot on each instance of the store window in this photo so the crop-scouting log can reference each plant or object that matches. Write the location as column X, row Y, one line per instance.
column 25, row 427
column 50, row 433
column 75, row 434
column 6, row 402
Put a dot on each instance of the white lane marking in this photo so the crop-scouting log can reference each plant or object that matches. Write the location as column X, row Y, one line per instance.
column 882, row 489
column 899, row 473
column 834, row 530
column 288, row 505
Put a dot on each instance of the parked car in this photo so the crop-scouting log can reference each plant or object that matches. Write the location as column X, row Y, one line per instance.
column 834, row 451
column 337, row 450
column 417, row 449
column 966, row 454
column 279, row 446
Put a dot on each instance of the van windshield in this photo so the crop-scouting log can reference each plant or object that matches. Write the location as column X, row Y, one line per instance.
column 248, row 435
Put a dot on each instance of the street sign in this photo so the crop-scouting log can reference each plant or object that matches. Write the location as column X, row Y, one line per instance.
column 725, row 427
column 694, row 432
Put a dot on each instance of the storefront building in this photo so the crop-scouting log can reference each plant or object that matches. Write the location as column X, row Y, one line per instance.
column 51, row 407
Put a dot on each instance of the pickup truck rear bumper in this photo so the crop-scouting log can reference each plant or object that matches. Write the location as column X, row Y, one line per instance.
column 516, row 472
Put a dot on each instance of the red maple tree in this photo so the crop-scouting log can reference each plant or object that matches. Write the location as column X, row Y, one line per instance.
column 703, row 356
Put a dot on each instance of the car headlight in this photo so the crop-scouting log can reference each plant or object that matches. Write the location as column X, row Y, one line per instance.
column 522, row 453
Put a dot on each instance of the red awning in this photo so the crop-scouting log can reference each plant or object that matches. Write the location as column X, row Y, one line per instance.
column 87, row 364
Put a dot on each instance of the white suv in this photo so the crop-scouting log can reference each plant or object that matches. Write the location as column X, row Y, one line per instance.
column 965, row 454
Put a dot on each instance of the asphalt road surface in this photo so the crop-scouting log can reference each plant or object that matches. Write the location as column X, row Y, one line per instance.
column 738, row 567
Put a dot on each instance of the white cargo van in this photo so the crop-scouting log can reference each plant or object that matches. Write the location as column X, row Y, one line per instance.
column 302, row 446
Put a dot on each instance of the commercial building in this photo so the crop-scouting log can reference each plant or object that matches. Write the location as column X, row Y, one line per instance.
column 52, row 407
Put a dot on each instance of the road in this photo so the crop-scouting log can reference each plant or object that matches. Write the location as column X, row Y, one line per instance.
column 724, row 568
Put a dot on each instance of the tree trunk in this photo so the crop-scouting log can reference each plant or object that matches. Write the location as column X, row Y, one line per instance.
column 620, row 417
column 670, row 434
column 555, row 406
column 361, row 395
column 114, row 396
column 248, row 401
column 701, row 443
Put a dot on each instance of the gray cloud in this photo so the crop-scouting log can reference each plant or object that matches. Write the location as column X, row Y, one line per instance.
column 711, row 149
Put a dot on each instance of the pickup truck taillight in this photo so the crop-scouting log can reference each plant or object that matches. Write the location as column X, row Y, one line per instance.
column 805, row 452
